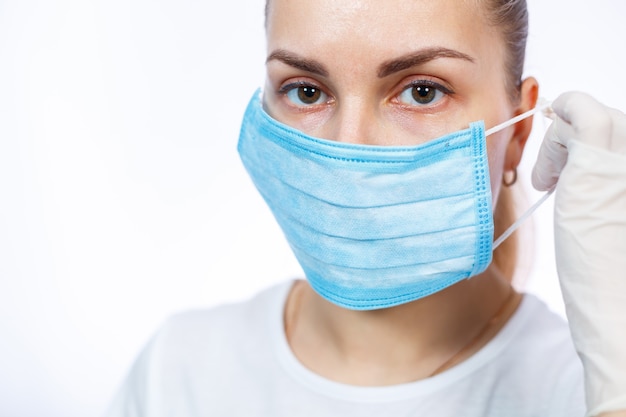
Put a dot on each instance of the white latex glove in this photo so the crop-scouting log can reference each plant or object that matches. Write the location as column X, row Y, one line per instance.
column 585, row 150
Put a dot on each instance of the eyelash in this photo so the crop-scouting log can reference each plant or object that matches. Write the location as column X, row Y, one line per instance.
column 429, row 83
column 423, row 83
column 284, row 89
column 287, row 88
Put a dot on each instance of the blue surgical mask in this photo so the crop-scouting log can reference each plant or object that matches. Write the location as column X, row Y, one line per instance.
column 374, row 226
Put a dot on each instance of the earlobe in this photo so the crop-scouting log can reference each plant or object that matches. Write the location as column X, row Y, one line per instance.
column 529, row 93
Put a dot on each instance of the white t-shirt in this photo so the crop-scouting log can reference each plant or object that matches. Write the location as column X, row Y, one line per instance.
column 234, row 360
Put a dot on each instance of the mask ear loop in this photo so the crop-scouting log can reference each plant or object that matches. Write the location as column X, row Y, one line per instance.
column 544, row 107
column 508, row 232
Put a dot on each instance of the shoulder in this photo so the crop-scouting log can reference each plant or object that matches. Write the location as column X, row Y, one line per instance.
column 201, row 329
column 534, row 349
column 541, row 354
column 196, row 354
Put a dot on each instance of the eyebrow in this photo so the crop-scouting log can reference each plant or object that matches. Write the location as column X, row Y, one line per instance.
column 385, row 69
column 419, row 58
column 298, row 62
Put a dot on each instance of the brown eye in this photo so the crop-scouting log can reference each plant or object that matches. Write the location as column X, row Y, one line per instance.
column 423, row 94
column 309, row 95
column 304, row 95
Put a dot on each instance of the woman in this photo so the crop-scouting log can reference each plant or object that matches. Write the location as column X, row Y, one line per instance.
column 379, row 329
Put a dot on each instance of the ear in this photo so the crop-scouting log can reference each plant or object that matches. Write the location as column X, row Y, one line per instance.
column 529, row 92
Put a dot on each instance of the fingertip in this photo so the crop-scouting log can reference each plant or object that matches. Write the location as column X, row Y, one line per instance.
column 540, row 183
column 574, row 104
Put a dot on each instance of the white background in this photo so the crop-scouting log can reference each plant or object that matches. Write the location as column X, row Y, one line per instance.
column 122, row 198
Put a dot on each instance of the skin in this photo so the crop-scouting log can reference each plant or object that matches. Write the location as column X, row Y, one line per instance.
column 344, row 50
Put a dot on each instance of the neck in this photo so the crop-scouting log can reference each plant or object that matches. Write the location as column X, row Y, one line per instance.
column 399, row 344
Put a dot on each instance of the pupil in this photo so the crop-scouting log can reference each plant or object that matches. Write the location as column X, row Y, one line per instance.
column 308, row 95
column 423, row 94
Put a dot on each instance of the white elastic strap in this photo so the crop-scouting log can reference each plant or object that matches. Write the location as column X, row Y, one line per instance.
column 521, row 220
column 542, row 106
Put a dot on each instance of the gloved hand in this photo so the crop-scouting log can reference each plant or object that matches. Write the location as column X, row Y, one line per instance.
column 585, row 150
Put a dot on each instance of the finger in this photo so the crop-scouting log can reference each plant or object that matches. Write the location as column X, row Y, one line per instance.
column 590, row 120
column 551, row 158
column 618, row 137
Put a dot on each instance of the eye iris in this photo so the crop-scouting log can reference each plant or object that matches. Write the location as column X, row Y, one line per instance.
column 423, row 94
column 309, row 95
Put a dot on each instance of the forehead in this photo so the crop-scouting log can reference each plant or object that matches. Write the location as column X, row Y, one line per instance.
column 377, row 28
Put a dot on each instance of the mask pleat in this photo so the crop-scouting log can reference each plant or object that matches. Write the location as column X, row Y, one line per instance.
column 374, row 226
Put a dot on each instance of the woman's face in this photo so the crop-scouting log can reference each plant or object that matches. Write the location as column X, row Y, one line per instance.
column 391, row 72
